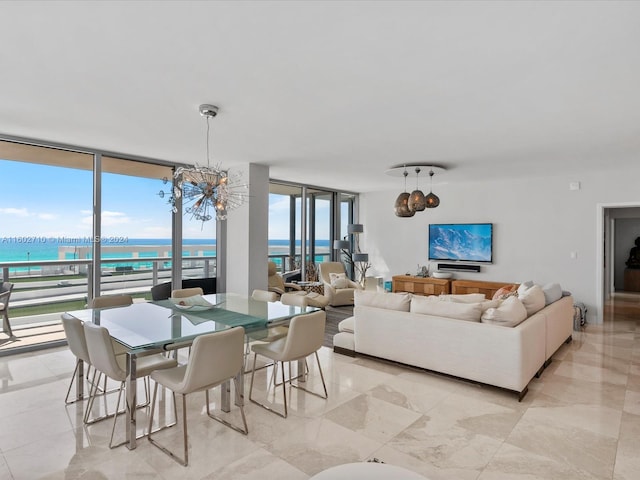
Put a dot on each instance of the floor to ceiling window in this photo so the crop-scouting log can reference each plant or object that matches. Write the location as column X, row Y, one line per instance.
column 45, row 218
column 135, row 230
column 55, row 254
column 295, row 232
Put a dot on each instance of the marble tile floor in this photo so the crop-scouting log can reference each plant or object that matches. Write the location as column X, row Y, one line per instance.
column 580, row 420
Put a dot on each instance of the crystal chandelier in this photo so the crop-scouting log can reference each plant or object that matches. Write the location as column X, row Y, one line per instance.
column 207, row 191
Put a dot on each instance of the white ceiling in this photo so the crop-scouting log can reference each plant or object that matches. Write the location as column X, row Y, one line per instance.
column 331, row 93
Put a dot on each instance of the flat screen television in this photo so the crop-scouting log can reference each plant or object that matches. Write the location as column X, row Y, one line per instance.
column 465, row 242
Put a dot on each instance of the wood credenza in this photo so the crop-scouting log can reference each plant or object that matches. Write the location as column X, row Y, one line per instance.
column 438, row 286
column 420, row 285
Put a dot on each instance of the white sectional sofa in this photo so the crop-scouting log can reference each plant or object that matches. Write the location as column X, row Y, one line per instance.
column 393, row 326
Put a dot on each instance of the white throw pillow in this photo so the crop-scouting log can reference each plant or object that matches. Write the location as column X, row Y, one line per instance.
column 338, row 280
column 464, row 298
column 487, row 304
column 510, row 313
column 524, row 286
column 469, row 312
column 532, row 299
column 388, row 301
column 552, row 292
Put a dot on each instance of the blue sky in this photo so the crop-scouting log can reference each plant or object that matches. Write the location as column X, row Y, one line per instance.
column 48, row 201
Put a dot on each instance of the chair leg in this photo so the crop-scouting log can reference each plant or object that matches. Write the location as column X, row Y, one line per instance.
column 115, row 419
column 240, row 405
column 75, row 372
column 324, row 385
column 266, row 407
column 6, row 324
column 182, row 461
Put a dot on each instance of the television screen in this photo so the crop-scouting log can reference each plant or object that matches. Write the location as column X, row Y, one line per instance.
column 469, row 242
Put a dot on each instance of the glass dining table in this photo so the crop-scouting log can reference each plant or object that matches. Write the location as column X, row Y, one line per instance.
column 148, row 327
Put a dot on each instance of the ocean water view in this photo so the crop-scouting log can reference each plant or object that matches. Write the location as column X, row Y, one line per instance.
column 34, row 249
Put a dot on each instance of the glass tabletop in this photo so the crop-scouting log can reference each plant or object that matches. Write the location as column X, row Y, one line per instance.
column 157, row 324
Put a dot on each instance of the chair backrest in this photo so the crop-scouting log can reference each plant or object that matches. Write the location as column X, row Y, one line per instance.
column 214, row 358
column 294, row 299
column 5, row 294
column 162, row 291
column 264, row 296
column 274, row 280
column 326, row 268
column 187, row 292
column 111, row 301
column 306, row 335
column 74, row 332
column 101, row 353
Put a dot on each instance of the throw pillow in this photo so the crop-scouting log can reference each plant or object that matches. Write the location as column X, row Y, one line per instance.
column 552, row 292
column 510, row 313
column 532, row 299
column 389, row 301
column 338, row 280
column 524, row 286
column 487, row 304
column 504, row 292
column 463, row 298
column 469, row 312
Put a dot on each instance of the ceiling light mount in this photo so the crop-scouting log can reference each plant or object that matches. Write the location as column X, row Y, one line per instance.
column 207, row 191
column 207, row 110
column 406, row 205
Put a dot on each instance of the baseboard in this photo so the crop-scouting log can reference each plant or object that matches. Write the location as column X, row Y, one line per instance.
column 344, row 351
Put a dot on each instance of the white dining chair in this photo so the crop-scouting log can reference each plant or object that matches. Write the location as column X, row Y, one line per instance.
column 105, row 301
column 74, row 331
column 305, row 337
column 105, row 361
column 186, row 292
column 215, row 358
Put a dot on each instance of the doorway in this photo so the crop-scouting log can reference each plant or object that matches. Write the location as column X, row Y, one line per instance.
column 618, row 227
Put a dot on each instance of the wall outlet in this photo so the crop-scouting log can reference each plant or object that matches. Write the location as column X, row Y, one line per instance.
column 574, row 185
column 573, row 255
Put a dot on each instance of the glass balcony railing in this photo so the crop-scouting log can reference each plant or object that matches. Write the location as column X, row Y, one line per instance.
column 44, row 289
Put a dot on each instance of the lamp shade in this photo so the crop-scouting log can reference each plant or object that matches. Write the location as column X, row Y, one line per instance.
column 417, row 201
column 402, row 206
column 432, row 200
column 360, row 257
column 341, row 244
column 355, row 228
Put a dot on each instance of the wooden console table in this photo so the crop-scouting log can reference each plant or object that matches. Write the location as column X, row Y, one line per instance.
column 461, row 287
column 420, row 285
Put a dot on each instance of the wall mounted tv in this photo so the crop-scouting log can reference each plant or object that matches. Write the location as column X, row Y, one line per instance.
column 466, row 242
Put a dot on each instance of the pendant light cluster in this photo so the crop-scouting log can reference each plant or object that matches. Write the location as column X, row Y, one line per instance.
column 407, row 204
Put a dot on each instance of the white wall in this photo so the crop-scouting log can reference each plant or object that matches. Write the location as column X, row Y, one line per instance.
column 537, row 221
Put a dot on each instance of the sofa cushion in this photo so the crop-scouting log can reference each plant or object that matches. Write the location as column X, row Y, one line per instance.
column 338, row 280
column 461, row 311
column 552, row 292
column 463, row 298
column 386, row 300
column 532, row 298
column 504, row 292
column 510, row 313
